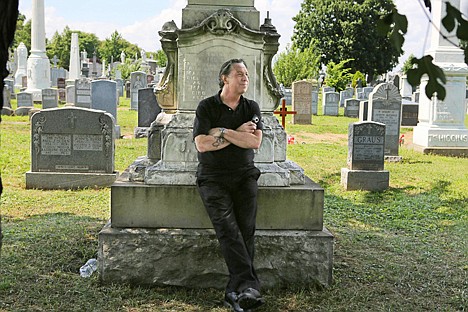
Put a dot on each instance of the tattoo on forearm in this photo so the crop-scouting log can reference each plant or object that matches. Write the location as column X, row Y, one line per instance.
column 218, row 141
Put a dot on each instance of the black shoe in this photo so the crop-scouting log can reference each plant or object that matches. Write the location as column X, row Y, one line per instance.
column 250, row 298
column 230, row 301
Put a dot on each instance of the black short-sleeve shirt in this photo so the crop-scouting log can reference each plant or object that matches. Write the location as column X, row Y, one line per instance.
column 211, row 113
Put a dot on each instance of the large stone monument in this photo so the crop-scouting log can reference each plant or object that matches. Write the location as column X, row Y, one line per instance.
column 22, row 65
column 158, row 222
column 74, row 72
column 38, row 62
column 441, row 128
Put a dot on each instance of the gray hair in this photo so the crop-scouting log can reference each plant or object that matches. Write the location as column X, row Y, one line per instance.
column 226, row 69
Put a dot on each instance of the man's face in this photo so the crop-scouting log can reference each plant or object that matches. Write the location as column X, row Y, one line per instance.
column 238, row 79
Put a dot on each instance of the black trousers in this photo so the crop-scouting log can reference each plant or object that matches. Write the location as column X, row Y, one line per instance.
column 230, row 198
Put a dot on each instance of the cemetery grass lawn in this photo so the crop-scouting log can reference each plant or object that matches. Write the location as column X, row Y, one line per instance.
column 403, row 249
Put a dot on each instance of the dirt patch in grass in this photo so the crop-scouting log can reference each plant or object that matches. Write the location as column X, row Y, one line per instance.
column 309, row 138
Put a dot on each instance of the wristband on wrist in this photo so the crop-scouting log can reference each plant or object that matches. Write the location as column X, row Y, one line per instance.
column 222, row 131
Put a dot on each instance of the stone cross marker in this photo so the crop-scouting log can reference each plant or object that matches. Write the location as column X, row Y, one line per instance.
column 55, row 60
column 302, row 102
column 385, row 107
column 283, row 112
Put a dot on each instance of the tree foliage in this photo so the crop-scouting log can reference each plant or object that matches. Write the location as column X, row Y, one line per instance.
column 293, row 64
column 60, row 45
column 394, row 22
column 112, row 47
column 344, row 31
column 160, row 57
column 408, row 64
column 338, row 75
column 23, row 32
column 128, row 67
column 356, row 76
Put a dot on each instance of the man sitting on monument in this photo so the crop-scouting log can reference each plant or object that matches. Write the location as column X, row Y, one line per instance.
column 227, row 128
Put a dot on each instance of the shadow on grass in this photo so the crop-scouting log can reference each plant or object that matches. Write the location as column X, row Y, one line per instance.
column 407, row 247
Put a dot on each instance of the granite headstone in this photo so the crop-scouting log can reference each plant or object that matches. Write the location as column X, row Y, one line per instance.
column 148, row 107
column 137, row 81
column 71, row 147
column 49, row 98
column 302, row 102
column 83, row 92
column 331, row 103
column 351, row 108
column 385, row 107
column 104, row 97
column 70, row 94
column 366, row 149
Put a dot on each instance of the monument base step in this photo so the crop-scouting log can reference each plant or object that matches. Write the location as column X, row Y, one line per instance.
column 192, row 257
column 140, row 205
column 443, row 151
column 65, row 180
column 367, row 180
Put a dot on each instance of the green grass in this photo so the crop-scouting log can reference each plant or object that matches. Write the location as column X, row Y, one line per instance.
column 403, row 249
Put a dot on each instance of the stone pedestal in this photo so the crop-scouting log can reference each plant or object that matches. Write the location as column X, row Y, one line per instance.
column 38, row 63
column 364, row 180
column 192, row 258
column 139, row 205
column 68, row 181
column 160, row 233
column 441, row 128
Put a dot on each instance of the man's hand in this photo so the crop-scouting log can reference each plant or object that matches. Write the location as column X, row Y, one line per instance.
column 248, row 127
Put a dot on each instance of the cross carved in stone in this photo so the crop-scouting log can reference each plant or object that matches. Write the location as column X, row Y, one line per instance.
column 72, row 119
column 387, row 90
column 55, row 60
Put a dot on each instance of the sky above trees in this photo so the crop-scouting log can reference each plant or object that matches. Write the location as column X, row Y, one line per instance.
column 140, row 21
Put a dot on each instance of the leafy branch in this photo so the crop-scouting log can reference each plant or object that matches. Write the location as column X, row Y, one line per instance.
column 396, row 25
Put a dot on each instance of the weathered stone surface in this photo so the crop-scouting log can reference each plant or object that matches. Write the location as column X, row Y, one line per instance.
column 68, row 181
column 135, row 204
column 191, row 257
column 364, row 179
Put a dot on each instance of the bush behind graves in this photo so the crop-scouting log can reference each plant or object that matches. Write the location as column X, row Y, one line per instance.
column 403, row 249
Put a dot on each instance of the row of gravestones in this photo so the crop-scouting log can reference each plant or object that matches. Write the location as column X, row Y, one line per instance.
column 98, row 94
column 304, row 101
column 72, row 141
